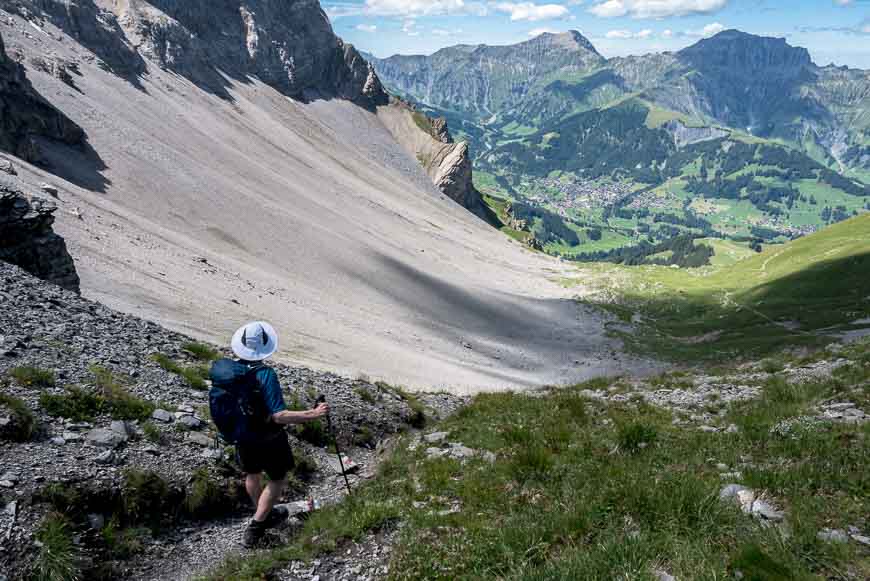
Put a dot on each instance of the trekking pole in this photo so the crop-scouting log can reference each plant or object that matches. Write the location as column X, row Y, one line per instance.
column 322, row 399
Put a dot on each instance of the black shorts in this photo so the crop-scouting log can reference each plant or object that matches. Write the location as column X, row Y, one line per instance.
column 273, row 456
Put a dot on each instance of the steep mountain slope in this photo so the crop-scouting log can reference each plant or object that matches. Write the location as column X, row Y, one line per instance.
column 737, row 136
column 212, row 197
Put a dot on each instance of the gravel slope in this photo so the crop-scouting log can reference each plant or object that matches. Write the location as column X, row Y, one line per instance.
column 200, row 213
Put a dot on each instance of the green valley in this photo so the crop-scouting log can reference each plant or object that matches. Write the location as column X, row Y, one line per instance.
column 630, row 153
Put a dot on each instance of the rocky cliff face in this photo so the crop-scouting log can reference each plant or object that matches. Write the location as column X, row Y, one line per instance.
column 448, row 164
column 288, row 44
column 27, row 238
column 25, row 115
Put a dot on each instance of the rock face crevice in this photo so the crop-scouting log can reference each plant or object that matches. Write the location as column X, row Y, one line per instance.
column 28, row 241
column 25, row 115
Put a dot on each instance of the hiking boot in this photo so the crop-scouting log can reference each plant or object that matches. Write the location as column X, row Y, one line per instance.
column 254, row 534
column 277, row 516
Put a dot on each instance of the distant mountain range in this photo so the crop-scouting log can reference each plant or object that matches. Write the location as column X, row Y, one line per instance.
column 736, row 136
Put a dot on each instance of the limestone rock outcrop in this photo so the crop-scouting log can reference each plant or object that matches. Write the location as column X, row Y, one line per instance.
column 447, row 163
column 28, row 240
column 25, row 115
column 288, row 44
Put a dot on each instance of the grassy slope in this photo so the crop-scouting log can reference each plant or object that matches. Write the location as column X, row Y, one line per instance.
column 602, row 491
column 818, row 281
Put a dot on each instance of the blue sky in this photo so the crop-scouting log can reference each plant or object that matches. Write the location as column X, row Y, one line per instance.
column 835, row 31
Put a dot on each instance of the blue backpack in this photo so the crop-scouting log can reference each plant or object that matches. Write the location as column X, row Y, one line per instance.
column 236, row 402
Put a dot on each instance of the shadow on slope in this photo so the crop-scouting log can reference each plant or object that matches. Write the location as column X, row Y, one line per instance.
column 519, row 333
column 80, row 165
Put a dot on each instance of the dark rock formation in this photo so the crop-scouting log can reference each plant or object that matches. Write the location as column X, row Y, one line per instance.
column 27, row 238
column 24, row 114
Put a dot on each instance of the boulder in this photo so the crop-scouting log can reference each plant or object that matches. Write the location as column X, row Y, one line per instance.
column 162, row 416
column 105, row 438
column 833, row 536
column 28, row 240
column 200, row 439
column 435, row 437
column 191, row 422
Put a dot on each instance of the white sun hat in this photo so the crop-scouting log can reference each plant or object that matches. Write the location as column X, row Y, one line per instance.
column 255, row 341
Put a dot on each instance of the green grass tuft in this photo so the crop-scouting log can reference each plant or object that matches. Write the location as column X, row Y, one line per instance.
column 77, row 404
column 201, row 351
column 58, row 558
column 29, row 376
column 23, row 421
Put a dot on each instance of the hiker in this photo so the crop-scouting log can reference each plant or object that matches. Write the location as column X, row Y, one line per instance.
column 248, row 407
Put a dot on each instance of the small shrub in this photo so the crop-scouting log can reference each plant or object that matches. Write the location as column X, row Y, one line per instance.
column 205, row 496
column 365, row 395
column 417, row 419
column 314, row 433
column 77, row 404
column 771, row 366
column 146, row 496
column 58, row 558
column 33, row 376
column 152, row 432
column 305, row 464
column 20, row 429
column 635, row 437
column 122, row 543
column 363, row 436
column 120, row 403
column 196, row 376
column 64, row 498
column 166, row 363
column 201, row 351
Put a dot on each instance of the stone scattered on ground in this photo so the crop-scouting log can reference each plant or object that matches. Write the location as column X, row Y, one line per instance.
column 459, row 452
column 751, row 502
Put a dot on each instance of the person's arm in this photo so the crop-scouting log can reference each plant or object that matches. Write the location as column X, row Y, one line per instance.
column 287, row 418
column 274, row 401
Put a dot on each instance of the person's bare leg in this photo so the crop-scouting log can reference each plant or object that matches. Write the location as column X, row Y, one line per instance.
column 254, row 486
column 268, row 498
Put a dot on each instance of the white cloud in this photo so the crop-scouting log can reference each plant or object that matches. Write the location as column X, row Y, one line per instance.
column 668, row 33
column 627, row 34
column 655, row 8
column 609, row 9
column 422, row 7
column 532, row 12
column 709, row 30
column 539, row 31
column 842, row 2
column 366, row 27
